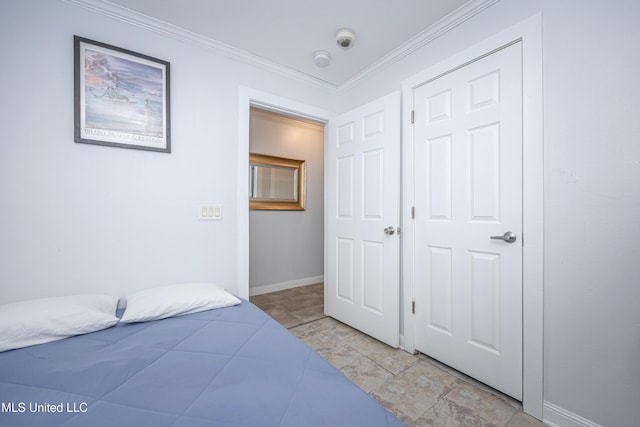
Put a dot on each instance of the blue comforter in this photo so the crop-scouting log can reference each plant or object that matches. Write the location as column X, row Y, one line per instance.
column 233, row 367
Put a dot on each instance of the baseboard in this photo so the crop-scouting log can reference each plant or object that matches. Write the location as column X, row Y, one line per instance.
column 556, row 416
column 273, row 287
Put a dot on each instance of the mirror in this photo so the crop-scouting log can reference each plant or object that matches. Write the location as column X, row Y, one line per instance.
column 276, row 183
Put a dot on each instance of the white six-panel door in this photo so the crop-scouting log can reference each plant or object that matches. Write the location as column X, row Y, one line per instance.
column 362, row 219
column 468, row 188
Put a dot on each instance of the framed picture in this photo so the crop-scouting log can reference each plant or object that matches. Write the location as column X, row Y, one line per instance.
column 121, row 97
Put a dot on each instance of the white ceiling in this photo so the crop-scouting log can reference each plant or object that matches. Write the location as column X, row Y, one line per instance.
column 288, row 32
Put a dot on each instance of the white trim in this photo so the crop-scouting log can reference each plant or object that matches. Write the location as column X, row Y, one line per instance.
column 446, row 24
column 290, row 284
column 529, row 33
column 556, row 416
column 247, row 98
column 443, row 26
column 140, row 20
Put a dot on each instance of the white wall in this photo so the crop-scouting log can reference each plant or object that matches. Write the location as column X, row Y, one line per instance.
column 592, row 232
column 592, row 195
column 85, row 218
column 77, row 217
column 287, row 247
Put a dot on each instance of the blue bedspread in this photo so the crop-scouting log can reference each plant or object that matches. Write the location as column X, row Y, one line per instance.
column 233, row 367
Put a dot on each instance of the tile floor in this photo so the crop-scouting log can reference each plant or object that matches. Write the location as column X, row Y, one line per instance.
column 417, row 389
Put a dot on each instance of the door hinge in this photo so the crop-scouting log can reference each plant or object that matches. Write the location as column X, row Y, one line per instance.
column 413, row 307
column 413, row 212
column 413, row 116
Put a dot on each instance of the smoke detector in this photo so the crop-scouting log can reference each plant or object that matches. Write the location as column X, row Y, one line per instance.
column 345, row 38
column 321, row 58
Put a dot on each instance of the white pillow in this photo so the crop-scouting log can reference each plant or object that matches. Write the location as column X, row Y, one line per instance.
column 43, row 320
column 174, row 300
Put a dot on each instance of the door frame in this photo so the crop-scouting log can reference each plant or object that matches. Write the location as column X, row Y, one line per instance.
column 529, row 34
column 248, row 98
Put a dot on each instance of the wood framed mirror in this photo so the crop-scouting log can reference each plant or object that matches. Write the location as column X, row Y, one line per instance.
column 276, row 183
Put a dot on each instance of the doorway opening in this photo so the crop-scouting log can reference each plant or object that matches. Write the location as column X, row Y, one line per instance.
column 286, row 246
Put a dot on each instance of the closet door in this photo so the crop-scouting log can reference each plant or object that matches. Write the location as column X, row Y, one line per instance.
column 468, row 219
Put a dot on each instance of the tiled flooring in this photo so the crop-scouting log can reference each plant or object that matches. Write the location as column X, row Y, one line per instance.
column 417, row 389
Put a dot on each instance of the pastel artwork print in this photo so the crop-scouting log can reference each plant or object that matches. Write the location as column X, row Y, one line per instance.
column 122, row 95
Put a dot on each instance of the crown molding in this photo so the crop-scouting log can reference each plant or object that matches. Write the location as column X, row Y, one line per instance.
column 120, row 13
column 114, row 11
column 444, row 25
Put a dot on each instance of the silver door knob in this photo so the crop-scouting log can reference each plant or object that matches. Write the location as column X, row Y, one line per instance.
column 508, row 237
column 389, row 231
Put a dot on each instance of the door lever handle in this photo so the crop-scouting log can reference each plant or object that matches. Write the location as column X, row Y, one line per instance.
column 508, row 237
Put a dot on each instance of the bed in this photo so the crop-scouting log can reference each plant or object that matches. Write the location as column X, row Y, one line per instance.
column 232, row 366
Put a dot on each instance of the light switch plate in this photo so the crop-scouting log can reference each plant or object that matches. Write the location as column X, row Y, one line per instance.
column 210, row 212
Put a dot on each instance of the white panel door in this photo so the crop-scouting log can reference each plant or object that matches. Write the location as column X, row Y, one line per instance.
column 363, row 211
column 468, row 188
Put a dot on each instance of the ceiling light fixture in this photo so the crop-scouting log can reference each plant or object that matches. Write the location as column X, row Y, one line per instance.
column 321, row 58
column 345, row 38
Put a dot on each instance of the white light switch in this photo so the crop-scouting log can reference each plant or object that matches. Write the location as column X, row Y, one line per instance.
column 210, row 212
